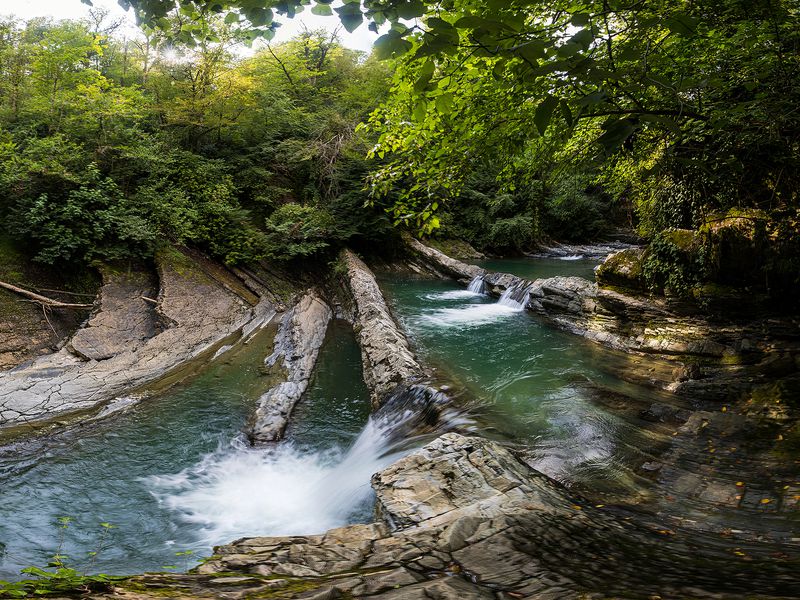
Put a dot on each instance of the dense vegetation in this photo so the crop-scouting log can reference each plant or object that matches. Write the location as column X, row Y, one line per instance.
column 109, row 146
column 501, row 123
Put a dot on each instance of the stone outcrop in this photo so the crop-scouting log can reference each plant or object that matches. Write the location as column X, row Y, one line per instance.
column 197, row 308
column 715, row 359
column 443, row 263
column 385, row 351
column 462, row 518
column 296, row 350
column 125, row 318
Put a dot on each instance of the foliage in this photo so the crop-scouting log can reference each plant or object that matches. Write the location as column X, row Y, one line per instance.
column 109, row 147
column 294, row 230
column 62, row 579
column 671, row 266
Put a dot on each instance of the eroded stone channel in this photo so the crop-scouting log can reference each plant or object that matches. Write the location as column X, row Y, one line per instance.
column 630, row 513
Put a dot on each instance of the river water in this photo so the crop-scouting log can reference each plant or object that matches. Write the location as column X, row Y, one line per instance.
column 174, row 476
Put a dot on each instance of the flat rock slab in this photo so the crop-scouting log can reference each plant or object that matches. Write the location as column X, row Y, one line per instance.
column 124, row 319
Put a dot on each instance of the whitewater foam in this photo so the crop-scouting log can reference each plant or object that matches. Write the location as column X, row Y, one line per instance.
column 472, row 315
column 238, row 490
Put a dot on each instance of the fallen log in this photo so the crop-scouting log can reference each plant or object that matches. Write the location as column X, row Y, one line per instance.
column 43, row 300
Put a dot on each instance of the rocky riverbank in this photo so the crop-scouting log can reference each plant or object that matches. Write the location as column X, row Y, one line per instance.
column 464, row 518
column 145, row 326
column 685, row 352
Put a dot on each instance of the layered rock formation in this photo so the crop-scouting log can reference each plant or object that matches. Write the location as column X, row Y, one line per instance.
column 297, row 345
column 715, row 358
column 385, row 351
column 463, row 518
column 131, row 341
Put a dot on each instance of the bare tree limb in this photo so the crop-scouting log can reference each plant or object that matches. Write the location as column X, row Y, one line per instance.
column 43, row 300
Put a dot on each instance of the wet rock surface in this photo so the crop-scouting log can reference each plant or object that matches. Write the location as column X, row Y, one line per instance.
column 718, row 450
column 386, row 354
column 296, row 350
column 196, row 309
column 464, row 518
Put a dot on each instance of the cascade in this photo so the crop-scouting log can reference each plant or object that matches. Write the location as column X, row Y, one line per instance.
column 287, row 490
column 516, row 296
column 476, row 285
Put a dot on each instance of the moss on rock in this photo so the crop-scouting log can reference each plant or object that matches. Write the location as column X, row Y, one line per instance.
column 622, row 270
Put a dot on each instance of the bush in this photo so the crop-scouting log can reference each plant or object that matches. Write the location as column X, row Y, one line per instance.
column 513, row 233
column 294, row 230
column 94, row 221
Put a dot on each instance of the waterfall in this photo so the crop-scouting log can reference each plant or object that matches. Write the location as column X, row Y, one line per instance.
column 516, row 296
column 240, row 491
column 476, row 285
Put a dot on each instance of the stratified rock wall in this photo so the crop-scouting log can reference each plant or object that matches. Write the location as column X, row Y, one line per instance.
column 195, row 311
column 126, row 315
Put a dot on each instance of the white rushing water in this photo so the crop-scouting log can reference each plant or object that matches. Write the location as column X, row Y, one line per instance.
column 238, row 490
column 515, row 297
column 476, row 285
column 472, row 315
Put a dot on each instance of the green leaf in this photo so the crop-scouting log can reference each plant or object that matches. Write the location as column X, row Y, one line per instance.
column 350, row 15
column 544, row 112
column 411, row 9
column 580, row 19
column 584, row 37
column 444, row 103
column 616, row 132
column 323, row 10
column 420, row 110
column 390, row 45
column 682, row 24
column 566, row 112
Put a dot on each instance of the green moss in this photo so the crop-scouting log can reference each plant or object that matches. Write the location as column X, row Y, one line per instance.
column 622, row 270
column 457, row 249
column 684, row 239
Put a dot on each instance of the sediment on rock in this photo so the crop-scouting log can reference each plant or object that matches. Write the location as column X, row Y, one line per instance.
column 197, row 310
column 385, row 351
column 296, row 349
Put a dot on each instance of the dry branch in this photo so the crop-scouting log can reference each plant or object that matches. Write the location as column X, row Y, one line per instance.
column 43, row 300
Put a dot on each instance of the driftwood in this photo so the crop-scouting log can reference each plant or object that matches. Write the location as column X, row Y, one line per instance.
column 43, row 300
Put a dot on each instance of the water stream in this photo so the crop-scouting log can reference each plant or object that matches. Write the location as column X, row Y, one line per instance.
column 173, row 474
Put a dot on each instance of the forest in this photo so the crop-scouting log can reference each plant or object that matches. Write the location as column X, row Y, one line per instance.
column 506, row 307
column 474, row 125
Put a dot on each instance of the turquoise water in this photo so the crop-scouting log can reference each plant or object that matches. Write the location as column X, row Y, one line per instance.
column 532, row 384
column 173, row 474
column 540, row 268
